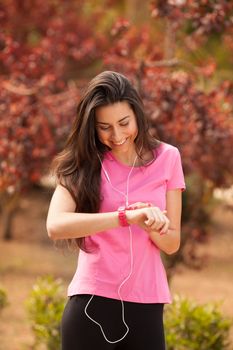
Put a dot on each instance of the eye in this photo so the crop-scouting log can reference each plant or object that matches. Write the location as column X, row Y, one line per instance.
column 124, row 124
column 104, row 127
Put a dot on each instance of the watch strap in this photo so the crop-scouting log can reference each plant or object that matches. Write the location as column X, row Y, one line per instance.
column 122, row 216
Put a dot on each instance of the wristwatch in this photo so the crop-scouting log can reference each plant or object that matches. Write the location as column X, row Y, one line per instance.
column 122, row 216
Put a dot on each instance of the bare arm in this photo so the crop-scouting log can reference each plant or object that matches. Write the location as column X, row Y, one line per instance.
column 63, row 222
column 155, row 222
column 169, row 242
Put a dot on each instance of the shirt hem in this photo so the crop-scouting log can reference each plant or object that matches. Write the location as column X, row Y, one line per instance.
column 114, row 295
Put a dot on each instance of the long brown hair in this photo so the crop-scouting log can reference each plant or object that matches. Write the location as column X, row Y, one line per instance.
column 78, row 167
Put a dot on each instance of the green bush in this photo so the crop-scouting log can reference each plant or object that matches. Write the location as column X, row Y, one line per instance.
column 188, row 326
column 3, row 299
column 45, row 306
column 195, row 327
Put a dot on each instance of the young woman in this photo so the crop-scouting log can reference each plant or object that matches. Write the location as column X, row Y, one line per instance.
column 118, row 197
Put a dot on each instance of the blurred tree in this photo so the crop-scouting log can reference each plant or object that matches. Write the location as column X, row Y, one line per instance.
column 183, row 110
column 44, row 47
column 40, row 43
column 137, row 11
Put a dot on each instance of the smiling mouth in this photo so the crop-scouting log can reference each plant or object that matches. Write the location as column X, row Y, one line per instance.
column 119, row 143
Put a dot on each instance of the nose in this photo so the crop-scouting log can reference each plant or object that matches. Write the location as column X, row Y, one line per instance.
column 116, row 135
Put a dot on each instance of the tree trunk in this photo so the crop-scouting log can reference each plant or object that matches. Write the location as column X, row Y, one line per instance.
column 170, row 41
column 137, row 11
column 7, row 216
column 8, row 205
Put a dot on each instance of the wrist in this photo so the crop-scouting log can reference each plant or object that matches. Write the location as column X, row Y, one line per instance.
column 122, row 217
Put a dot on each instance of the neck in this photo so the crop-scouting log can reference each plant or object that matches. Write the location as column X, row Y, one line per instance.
column 127, row 158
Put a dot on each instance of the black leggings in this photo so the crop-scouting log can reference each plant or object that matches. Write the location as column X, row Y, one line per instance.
column 145, row 323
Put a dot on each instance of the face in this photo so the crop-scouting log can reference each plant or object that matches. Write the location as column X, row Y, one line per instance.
column 116, row 127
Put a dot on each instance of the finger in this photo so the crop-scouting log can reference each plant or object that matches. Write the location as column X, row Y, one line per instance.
column 149, row 221
column 139, row 205
column 164, row 230
column 163, row 216
column 157, row 226
column 160, row 220
column 153, row 216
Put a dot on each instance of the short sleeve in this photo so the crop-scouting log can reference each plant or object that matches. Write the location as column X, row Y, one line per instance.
column 175, row 177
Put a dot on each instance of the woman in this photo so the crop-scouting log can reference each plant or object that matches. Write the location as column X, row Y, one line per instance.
column 118, row 197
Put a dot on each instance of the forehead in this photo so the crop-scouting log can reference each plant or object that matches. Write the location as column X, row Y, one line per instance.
column 113, row 112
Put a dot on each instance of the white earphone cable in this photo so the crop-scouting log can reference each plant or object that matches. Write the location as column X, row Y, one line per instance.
column 131, row 259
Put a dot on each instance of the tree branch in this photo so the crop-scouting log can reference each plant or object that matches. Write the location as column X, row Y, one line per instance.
column 19, row 90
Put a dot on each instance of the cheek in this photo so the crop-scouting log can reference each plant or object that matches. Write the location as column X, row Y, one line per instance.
column 135, row 130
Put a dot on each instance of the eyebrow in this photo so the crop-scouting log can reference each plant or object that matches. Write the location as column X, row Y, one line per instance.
column 121, row 120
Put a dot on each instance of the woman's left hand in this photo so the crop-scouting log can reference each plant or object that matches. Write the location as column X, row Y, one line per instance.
column 148, row 217
column 157, row 221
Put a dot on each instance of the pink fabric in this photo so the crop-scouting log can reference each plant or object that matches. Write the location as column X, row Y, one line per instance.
column 103, row 270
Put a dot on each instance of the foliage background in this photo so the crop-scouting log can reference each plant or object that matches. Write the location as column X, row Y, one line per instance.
column 179, row 55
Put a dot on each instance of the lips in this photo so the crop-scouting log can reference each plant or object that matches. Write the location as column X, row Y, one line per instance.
column 119, row 143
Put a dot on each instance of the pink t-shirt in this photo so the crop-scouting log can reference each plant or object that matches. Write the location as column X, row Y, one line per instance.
column 102, row 270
